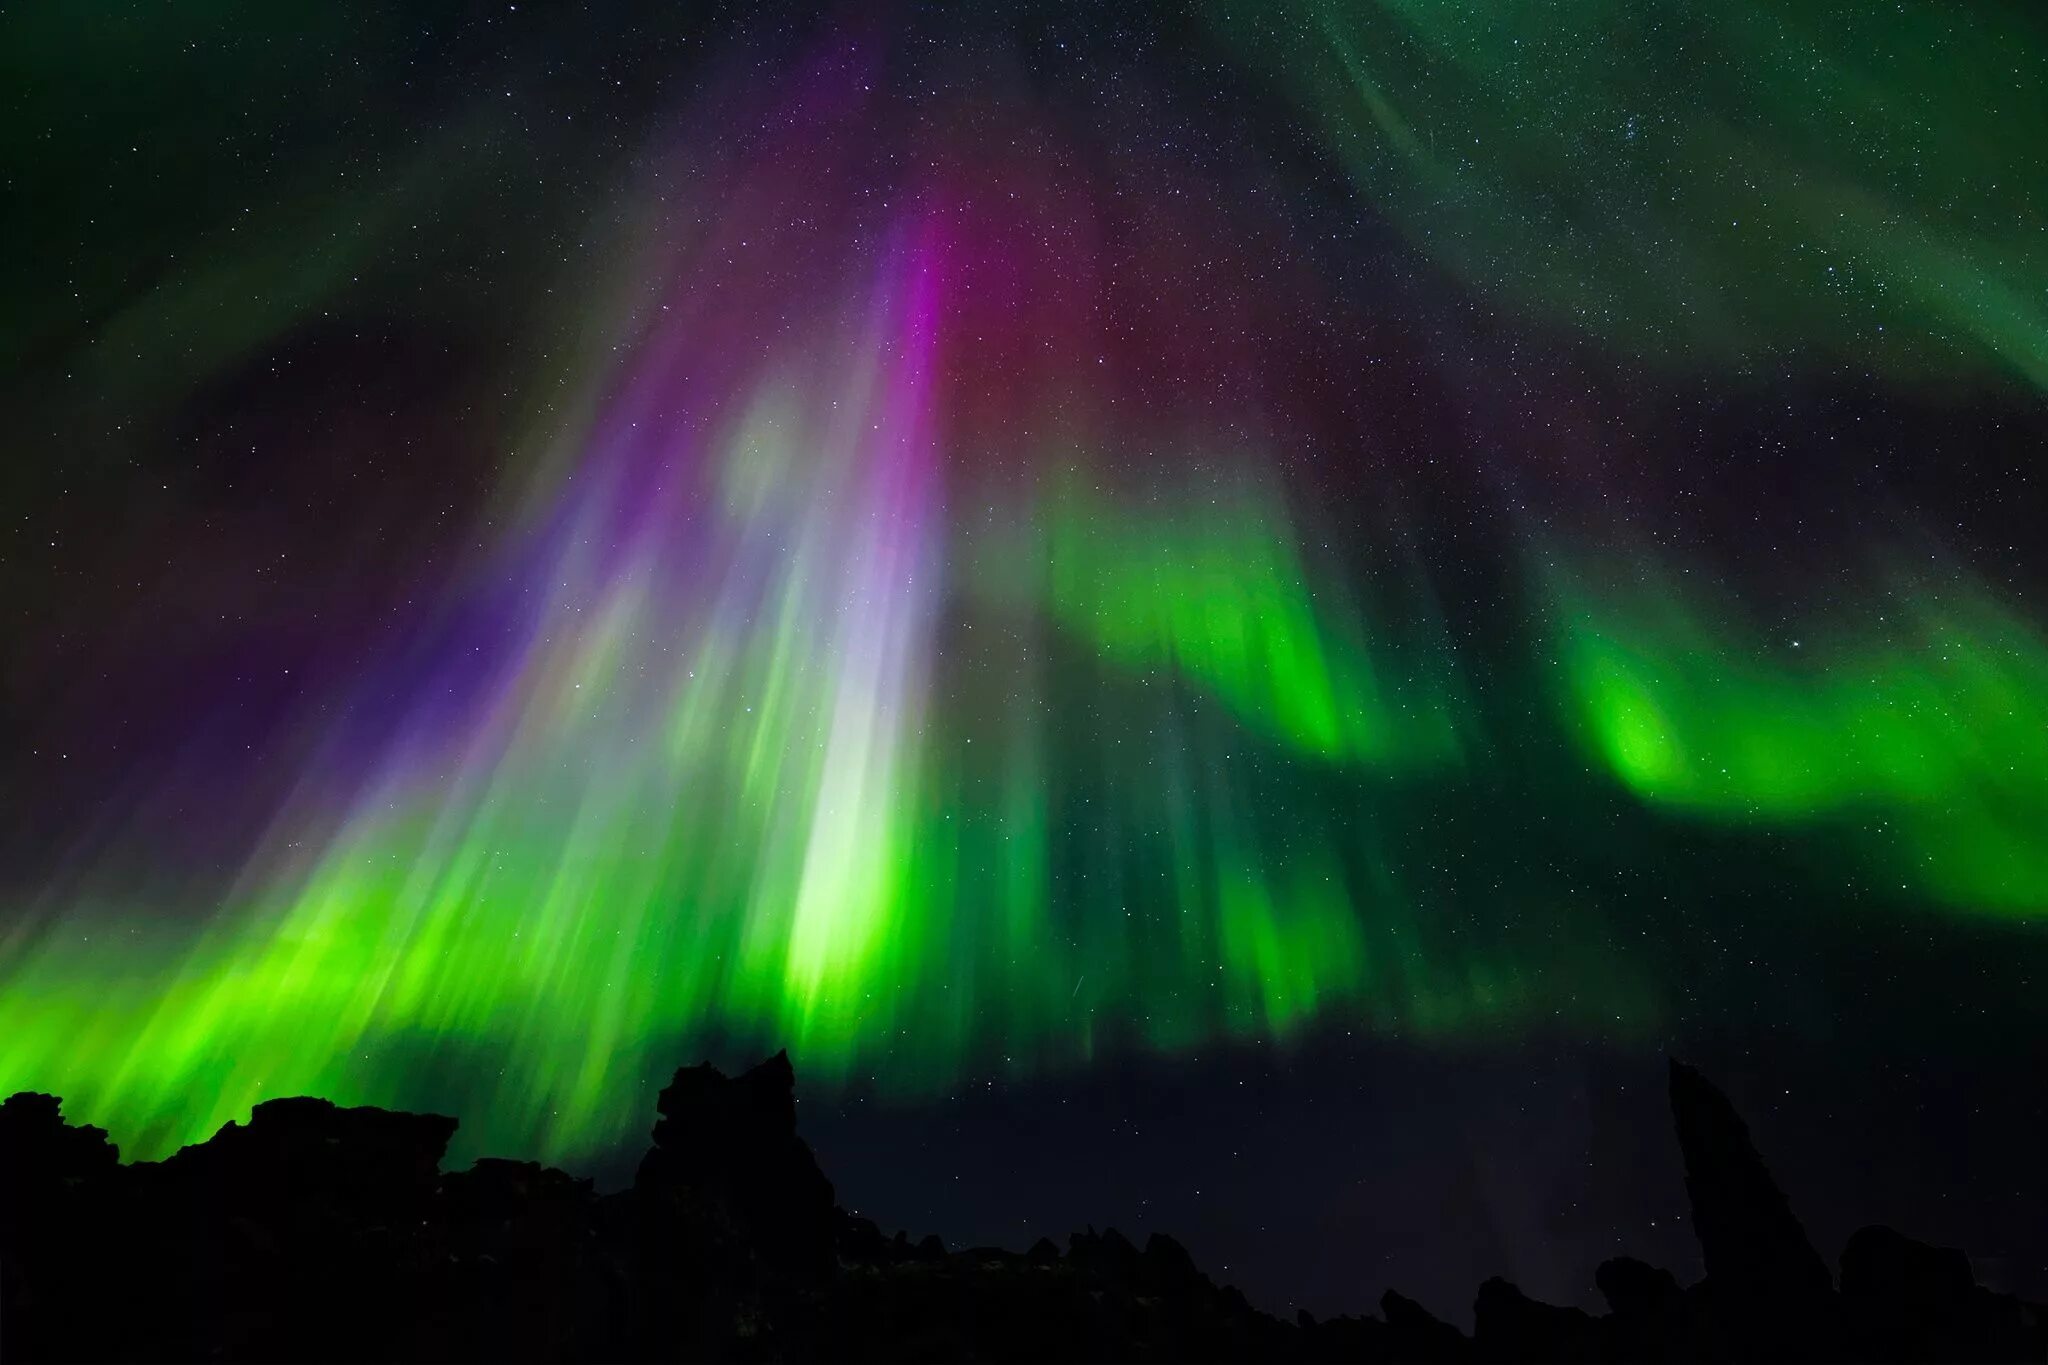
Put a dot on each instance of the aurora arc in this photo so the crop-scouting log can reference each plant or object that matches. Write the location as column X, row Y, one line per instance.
column 831, row 685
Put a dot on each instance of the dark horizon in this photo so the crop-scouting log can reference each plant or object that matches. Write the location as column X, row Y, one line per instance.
column 317, row 1231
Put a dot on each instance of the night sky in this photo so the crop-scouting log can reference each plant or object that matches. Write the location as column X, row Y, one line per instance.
column 1228, row 618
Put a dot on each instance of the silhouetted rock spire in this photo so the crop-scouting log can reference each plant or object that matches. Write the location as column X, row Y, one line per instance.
column 1766, row 1286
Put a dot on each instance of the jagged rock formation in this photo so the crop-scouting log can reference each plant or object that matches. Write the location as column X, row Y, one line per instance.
column 1906, row 1300
column 1509, row 1325
column 321, row 1233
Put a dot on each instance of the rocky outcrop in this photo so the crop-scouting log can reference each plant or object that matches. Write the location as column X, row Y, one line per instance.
column 1649, row 1316
column 1906, row 1300
column 1414, row 1333
column 315, row 1232
column 1508, row 1325
column 727, row 1159
column 732, row 1220
column 46, row 1155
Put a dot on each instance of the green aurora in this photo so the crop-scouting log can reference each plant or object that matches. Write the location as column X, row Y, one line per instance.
column 1711, row 183
column 1916, row 721
column 769, row 700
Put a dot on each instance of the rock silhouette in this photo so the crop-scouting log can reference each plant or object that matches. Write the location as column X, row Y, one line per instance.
column 1767, row 1287
column 316, row 1232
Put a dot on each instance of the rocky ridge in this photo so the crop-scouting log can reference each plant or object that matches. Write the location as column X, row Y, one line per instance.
column 315, row 1232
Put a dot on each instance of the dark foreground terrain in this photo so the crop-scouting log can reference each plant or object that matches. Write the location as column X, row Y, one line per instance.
column 321, row 1233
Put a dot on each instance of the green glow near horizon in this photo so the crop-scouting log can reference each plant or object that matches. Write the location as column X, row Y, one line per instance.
column 903, row 901
column 741, row 812
column 663, row 835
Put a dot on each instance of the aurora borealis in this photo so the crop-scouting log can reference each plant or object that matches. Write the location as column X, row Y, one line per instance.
column 994, row 543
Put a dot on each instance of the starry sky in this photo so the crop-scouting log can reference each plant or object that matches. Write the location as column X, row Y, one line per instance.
column 1228, row 618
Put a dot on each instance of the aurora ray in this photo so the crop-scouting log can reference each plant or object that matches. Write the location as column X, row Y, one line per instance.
column 940, row 573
